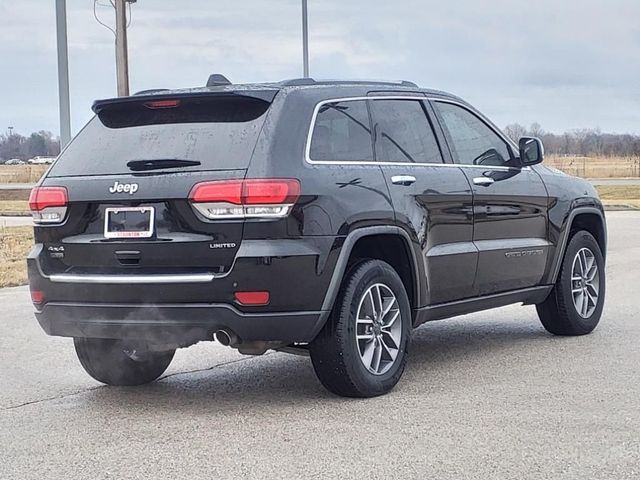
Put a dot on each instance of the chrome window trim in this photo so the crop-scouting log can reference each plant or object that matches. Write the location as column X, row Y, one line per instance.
column 421, row 97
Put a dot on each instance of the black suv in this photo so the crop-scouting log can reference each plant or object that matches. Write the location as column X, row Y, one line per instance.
column 320, row 218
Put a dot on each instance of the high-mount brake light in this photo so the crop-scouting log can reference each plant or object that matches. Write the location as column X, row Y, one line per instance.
column 156, row 104
column 252, row 198
column 48, row 204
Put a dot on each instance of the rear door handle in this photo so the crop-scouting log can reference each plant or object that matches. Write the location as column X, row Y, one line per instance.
column 404, row 180
column 483, row 181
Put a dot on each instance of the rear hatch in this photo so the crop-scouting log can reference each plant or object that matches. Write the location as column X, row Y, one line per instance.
column 128, row 177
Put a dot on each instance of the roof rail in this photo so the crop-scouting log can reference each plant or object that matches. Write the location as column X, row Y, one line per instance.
column 217, row 79
column 295, row 82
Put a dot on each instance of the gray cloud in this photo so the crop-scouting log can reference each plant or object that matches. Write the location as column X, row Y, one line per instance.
column 566, row 65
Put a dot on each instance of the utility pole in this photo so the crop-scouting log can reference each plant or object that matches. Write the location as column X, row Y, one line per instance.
column 63, row 73
column 122, row 56
column 305, row 39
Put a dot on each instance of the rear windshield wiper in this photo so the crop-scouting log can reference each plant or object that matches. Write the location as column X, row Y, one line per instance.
column 142, row 165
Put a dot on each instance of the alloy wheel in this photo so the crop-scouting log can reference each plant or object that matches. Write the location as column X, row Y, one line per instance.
column 378, row 329
column 585, row 282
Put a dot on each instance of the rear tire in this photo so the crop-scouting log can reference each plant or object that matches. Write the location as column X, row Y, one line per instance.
column 115, row 363
column 362, row 350
column 575, row 304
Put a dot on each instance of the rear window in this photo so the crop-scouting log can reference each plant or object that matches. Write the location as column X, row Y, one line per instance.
column 220, row 133
column 342, row 133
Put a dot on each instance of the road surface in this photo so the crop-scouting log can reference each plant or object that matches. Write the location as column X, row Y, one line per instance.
column 15, row 222
column 486, row 396
column 16, row 186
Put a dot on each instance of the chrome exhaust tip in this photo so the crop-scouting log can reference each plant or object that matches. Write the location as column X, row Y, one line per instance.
column 225, row 338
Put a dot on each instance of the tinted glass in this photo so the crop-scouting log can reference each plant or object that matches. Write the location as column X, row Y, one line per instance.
column 342, row 133
column 404, row 132
column 471, row 140
column 221, row 140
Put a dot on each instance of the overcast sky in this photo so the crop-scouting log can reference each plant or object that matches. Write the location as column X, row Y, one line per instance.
column 563, row 63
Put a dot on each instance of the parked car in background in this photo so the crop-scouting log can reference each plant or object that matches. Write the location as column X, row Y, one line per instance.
column 41, row 160
column 15, row 161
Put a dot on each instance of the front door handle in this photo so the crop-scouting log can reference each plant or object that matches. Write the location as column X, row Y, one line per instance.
column 483, row 181
column 404, row 180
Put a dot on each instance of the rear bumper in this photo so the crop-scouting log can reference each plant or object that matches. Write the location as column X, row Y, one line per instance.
column 181, row 324
column 184, row 308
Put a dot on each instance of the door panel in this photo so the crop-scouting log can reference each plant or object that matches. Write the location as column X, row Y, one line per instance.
column 509, row 202
column 432, row 200
column 510, row 229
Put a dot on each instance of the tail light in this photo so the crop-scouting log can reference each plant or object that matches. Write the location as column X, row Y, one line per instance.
column 258, row 198
column 48, row 204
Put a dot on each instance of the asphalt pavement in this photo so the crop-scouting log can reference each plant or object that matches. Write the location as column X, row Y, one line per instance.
column 618, row 182
column 485, row 396
column 15, row 221
column 16, row 186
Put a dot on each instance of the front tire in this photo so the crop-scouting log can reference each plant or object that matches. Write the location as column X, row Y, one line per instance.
column 362, row 350
column 575, row 304
column 115, row 363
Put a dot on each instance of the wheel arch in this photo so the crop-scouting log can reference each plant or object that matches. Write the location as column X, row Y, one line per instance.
column 590, row 219
column 369, row 242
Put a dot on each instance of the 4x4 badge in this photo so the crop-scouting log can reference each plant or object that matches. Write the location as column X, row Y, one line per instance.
column 129, row 188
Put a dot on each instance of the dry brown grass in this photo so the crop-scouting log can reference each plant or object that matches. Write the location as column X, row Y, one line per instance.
column 14, row 194
column 624, row 204
column 14, row 207
column 620, row 195
column 596, row 167
column 619, row 192
column 21, row 173
column 15, row 243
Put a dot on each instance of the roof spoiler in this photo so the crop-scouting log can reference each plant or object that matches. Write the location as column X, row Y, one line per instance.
column 266, row 95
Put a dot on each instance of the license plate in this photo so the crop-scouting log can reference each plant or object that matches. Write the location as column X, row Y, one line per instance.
column 129, row 222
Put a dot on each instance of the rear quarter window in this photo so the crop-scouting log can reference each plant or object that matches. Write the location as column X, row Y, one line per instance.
column 342, row 133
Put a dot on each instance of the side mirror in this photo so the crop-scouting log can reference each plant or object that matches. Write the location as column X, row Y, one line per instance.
column 531, row 151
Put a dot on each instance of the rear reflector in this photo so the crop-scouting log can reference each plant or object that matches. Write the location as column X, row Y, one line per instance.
column 48, row 204
column 37, row 296
column 252, row 298
column 252, row 198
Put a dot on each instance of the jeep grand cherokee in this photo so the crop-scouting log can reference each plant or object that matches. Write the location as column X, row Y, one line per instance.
column 323, row 218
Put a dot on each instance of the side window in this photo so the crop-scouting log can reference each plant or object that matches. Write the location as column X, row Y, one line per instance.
column 471, row 140
column 342, row 133
column 404, row 133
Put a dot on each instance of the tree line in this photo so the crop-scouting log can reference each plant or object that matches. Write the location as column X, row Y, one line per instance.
column 582, row 142
column 38, row 144
column 585, row 142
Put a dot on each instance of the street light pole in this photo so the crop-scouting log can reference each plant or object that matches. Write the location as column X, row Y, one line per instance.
column 63, row 72
column 305, row 39
column 122, row 56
